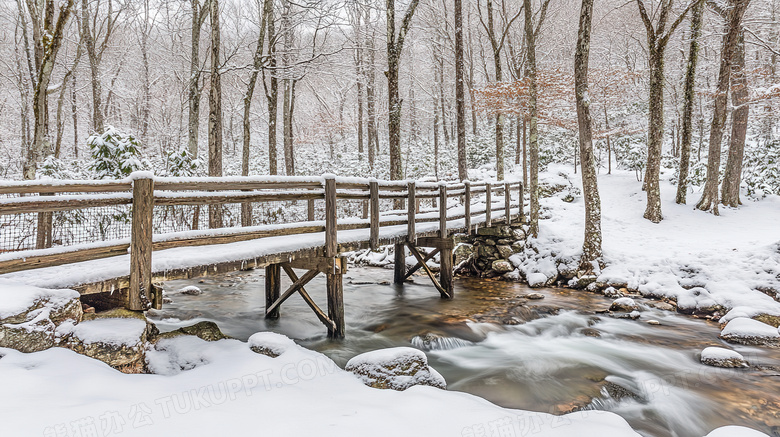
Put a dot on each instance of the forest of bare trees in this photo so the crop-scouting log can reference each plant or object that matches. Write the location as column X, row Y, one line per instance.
column 397, row 89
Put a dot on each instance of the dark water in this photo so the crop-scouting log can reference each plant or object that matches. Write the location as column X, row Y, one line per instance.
column 551, row 355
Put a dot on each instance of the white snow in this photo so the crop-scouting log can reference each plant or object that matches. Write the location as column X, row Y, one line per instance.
column 692, row 256
column 226, row 389
column 720, row 354
column 735, row 431
column 15, row 298
column 388, row 356
column 114, row 331
column 272, row 341
column 743, row 327
column 625, row 302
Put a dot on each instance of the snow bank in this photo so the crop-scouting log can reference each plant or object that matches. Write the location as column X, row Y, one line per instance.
column 735, row 431
column 232, row 389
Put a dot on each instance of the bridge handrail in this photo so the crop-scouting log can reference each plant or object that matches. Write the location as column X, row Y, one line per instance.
column 143, row 192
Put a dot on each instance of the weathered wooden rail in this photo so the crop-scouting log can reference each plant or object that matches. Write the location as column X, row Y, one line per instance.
column 453, row 207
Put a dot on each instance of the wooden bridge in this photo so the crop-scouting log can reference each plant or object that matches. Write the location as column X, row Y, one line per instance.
column 77, row 234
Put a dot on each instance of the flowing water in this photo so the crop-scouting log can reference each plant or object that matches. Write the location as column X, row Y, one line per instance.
column 552, row 355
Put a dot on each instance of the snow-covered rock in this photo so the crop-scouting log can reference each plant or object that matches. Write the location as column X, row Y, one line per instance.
column 29, row 316
column 722, row 357
column 118, row 342
column 536, row 280
column 191, row 290
column 204, row 330
column 270, row 344
column 752, row 332
column 395, row 368
column 502, row 266
column 624, row 304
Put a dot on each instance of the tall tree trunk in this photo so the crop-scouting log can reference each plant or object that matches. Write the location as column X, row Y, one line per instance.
column 272, row 93
column 739, row 120
column 98, row 124
column 687, row 116
column 46, row 48
column 75, row 115
column 215, row 112
column 394, row 48
column 371, row 128
column 359, row 78
column 460, row 95
column 591, row 247
column 497, row 64
column 709, row 199
column 193, row 96
column 533, row 134
column 655, row 135
column 147, row 91
column 289, row 116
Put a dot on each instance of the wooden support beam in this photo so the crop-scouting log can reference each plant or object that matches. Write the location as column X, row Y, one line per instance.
column 309, row 301
column 336, row 305
column 320, row 264
column 273, row 289
column 446, row 271
column 290, row 291
column 411, row 233
column 418, row 266
column 437, row 242
column 443, row 210
column 507, row 204
column 467, row 205
column 427, row 269
column 488, row 204
column 400, row 263
column 141, row 244
column 373, row 188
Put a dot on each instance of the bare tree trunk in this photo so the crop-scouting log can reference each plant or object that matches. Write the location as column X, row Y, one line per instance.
column 215, row 112
column 591, row 247
column 609, row 145
column 530, row 41
column 687, row 117
column 739, row 120
column 394, row 49
column 272, row 94
column 709, row 199
column 75, row 114
column 193, row 97
column 655, row 135
column 460, row 95
column 288, row 115
column 48, row 38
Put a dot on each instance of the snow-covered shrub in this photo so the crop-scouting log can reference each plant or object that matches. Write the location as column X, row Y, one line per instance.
column 631, row 153
column 761, row 169
column 181, row 163
column 480, row 150
column 55, row 168
column 115, row 154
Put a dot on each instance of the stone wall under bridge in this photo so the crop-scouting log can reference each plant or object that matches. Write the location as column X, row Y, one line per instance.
column 486, row 251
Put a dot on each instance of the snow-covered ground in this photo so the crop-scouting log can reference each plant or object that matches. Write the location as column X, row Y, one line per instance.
column 699, row 259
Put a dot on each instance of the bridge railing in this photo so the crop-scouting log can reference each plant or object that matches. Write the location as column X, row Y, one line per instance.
column 50, row 223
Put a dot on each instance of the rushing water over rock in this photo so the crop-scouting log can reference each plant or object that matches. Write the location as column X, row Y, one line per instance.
column 559, row 354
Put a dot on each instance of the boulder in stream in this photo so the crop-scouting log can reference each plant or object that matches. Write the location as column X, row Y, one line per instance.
column 395, row 368
column 624, row 304
column 751, row 332
column 722, row 357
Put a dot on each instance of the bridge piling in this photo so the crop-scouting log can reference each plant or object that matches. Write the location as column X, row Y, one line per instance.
column 141, row 244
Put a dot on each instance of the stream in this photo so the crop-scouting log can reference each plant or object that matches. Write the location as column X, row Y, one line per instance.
column 553, row 355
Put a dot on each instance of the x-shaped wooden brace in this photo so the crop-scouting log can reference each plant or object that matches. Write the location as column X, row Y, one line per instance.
column 297, row 285
column 421, row 263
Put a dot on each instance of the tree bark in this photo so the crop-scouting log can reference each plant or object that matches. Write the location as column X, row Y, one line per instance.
column 394, row 49
column 689, row 94
column 193, row 96
column 46, row 50
column 709, row 199
column 460, row 95
column 215, row 112
column 533, row 134
column 732, row 178
column 591, row 247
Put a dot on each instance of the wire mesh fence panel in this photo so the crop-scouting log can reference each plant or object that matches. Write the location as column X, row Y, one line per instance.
column 90, row 225
column 18, row 232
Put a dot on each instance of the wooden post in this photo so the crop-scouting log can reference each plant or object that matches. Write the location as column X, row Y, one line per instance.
column 446, row 270
column 373, row 188
column 467, row 205
column 43, row 235
column 335, row 275
column 273, row 289
column 141, row 244
column 400, row 263
column 246, row 213
column 411, row 232
column 507, row 204
column 442, row 210
column 520, row 202
column 488, row 203
column 310, row 210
